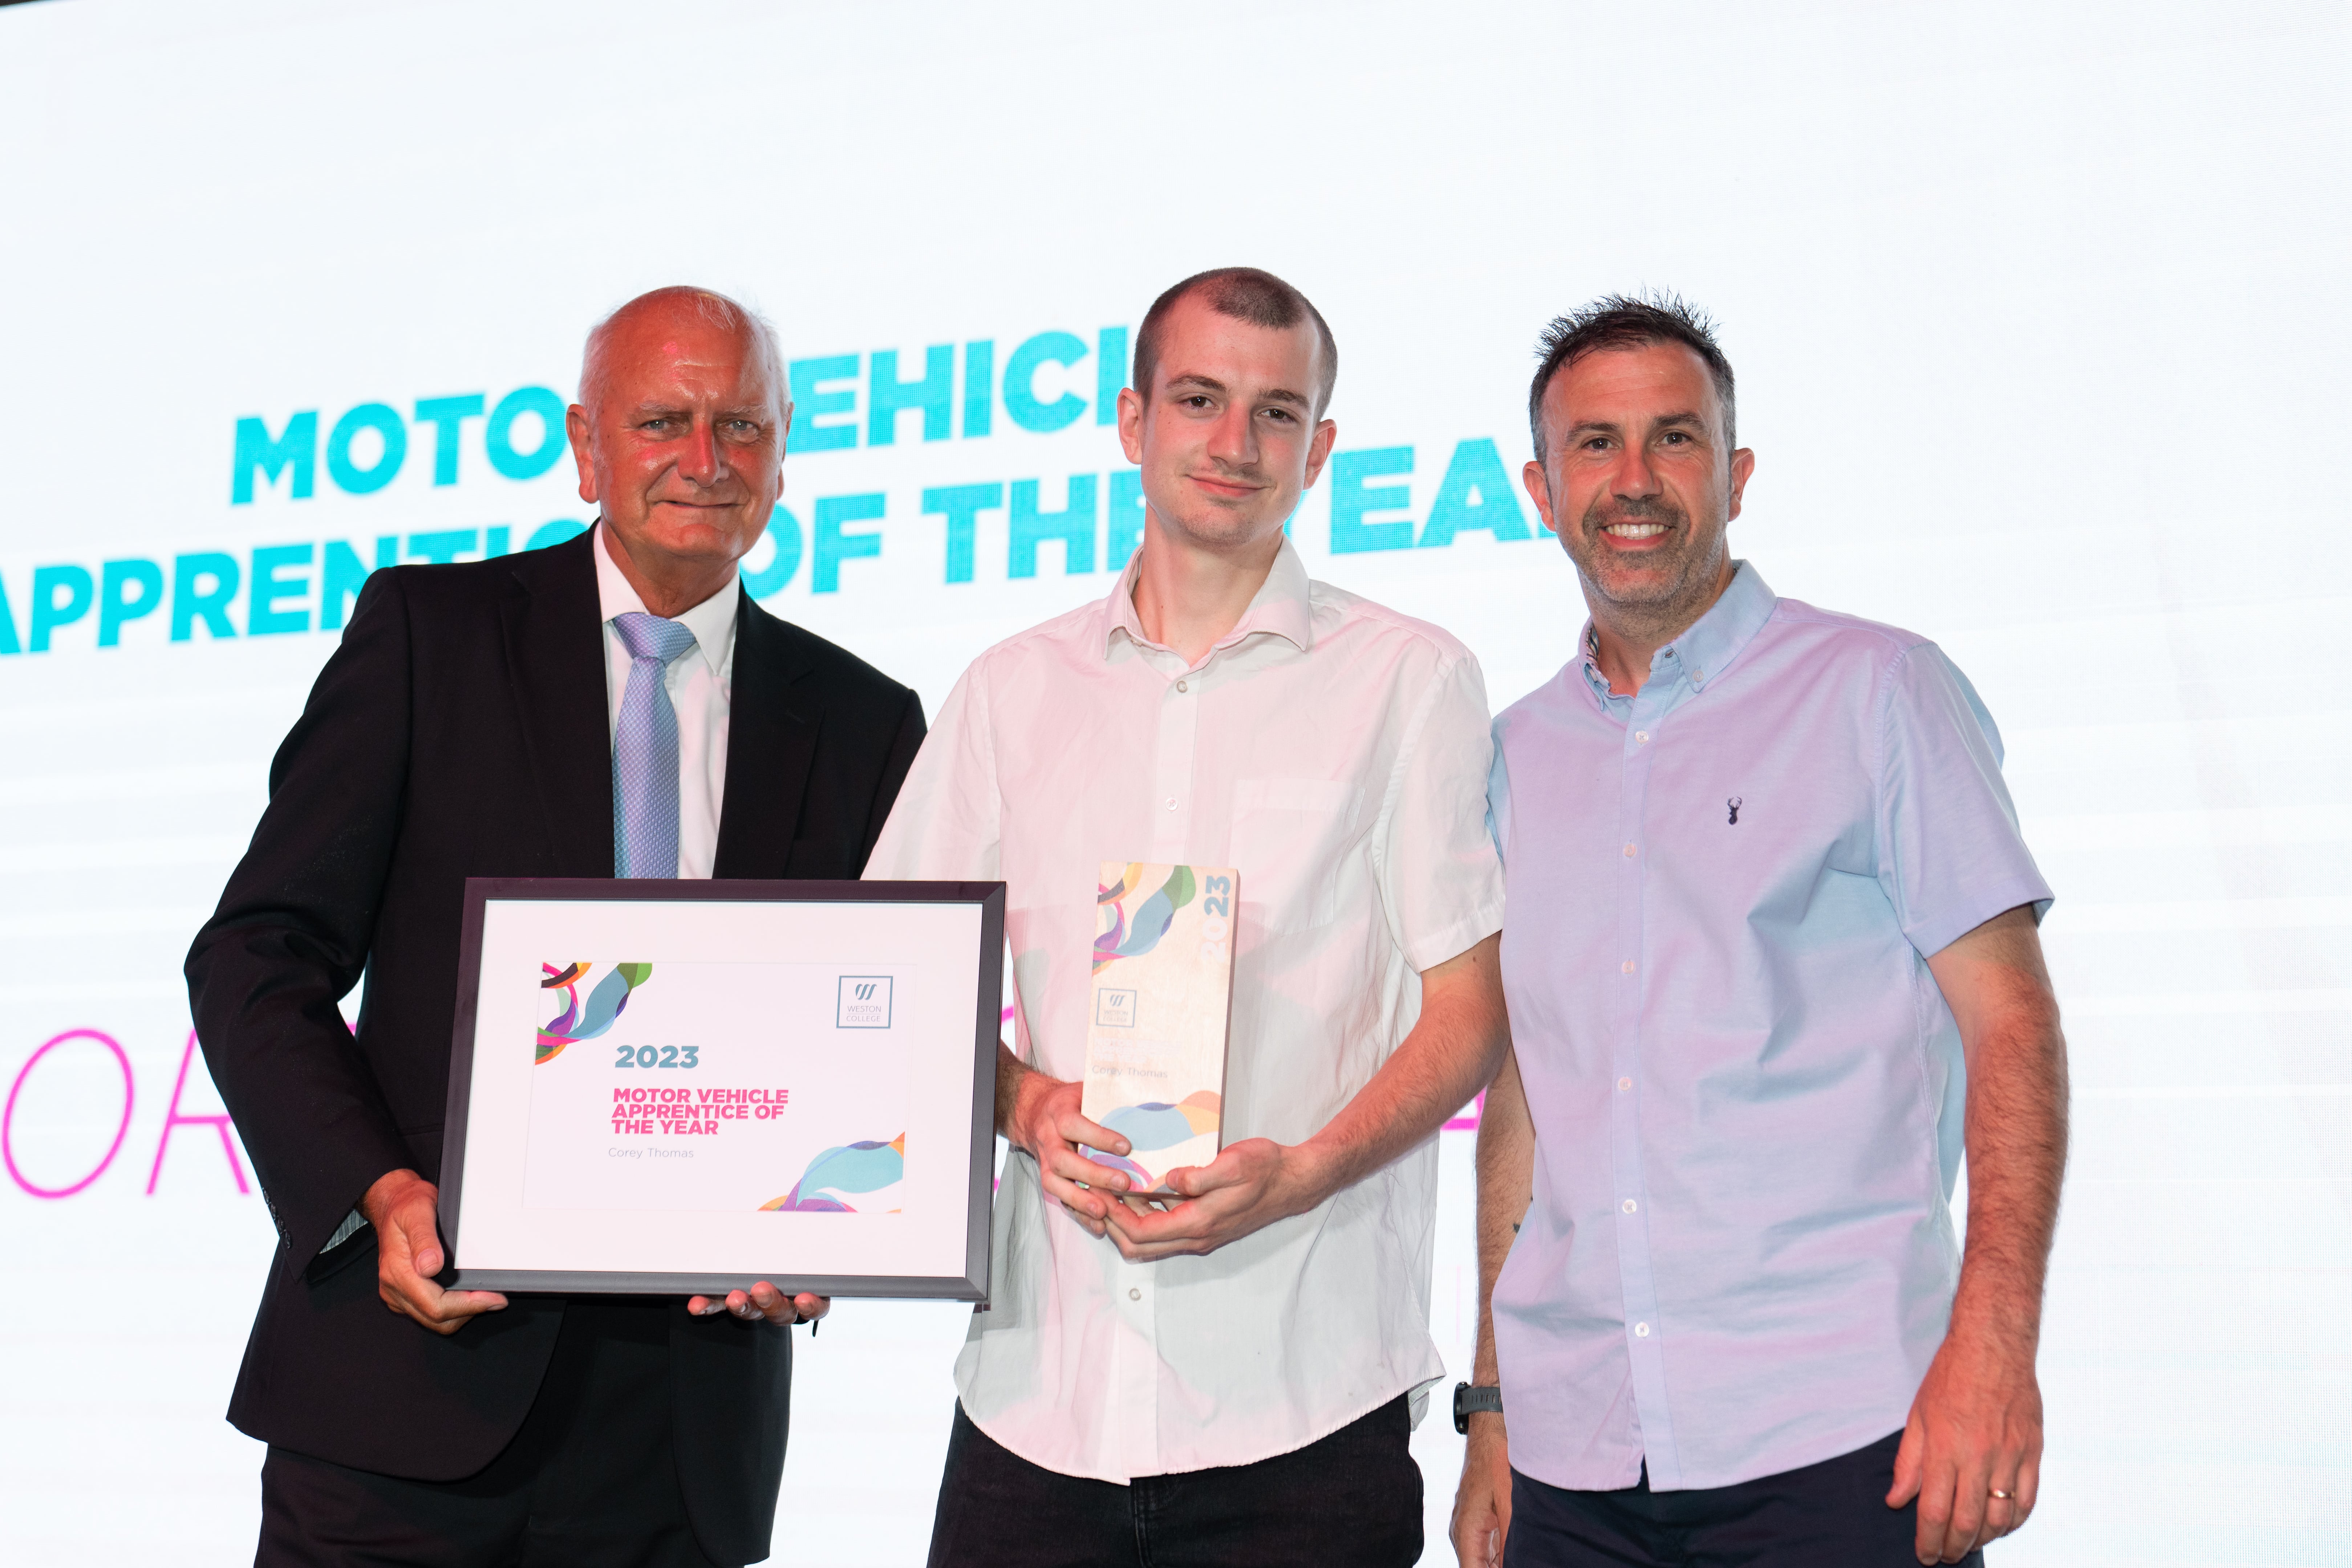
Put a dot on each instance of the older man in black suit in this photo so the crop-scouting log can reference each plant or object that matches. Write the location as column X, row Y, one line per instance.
column 524, row 717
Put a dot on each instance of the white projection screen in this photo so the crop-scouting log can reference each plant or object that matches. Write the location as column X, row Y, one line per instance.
column 2039, row 314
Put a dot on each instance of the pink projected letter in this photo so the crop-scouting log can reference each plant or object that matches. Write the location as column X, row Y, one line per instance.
column 8, row 1117
column 171, row 1119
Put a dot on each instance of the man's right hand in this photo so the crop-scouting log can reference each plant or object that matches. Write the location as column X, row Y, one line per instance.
column 1482, row 1505
column 403, row 1206
column 1041, row 1116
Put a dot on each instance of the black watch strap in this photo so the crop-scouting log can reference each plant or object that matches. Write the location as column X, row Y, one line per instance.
column 1469, row 1402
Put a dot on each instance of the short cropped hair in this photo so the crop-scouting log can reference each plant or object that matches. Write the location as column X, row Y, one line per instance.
column 1246, row 294
column 1626, row 321
column 707, row 305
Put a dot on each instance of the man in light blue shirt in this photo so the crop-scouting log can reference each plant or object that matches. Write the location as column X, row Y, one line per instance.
column 1772, row 969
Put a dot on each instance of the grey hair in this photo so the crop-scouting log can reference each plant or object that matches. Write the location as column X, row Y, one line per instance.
column 709, row 306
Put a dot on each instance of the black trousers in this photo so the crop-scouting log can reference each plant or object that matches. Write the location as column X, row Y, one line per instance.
column 588, row 1482
column 1352, row 1497
column 1834, row 1512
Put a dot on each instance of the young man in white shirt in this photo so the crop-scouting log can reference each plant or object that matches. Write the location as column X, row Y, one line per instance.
column 1230, row 1377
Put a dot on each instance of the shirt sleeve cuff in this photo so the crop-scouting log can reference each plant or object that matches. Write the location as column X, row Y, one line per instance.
column 1430, row 949
column 1999, row 898
column 354, row 1223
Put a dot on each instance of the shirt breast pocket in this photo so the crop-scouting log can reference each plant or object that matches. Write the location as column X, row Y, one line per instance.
column 1288, row 839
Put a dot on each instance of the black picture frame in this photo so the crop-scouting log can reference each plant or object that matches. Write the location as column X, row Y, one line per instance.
column 972, row 1285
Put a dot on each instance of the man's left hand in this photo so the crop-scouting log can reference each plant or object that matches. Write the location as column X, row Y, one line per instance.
column 764, row 1300
column 1975, row 1432
column 1247, row 1187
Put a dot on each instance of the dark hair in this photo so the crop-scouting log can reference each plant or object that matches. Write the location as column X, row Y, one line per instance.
column 1624, row 321
column 1246, row 294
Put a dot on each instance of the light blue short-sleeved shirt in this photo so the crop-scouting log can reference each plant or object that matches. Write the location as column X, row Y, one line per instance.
column 1745, row 1086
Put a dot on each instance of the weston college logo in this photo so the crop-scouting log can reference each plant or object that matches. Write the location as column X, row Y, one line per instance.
column 865, row 1003
column 1115, row 1006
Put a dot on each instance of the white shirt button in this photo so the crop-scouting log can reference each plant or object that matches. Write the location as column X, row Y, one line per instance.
column 1181, row 687
column 1629, row 852
column 1171, row 803
column 1640, row 1330
column 1642, row 737
column 1623, row 1084
column 1627, row 1205
column 1133, row 1294
column 1628, row 966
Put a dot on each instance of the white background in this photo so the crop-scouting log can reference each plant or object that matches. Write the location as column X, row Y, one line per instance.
column 2040, row 317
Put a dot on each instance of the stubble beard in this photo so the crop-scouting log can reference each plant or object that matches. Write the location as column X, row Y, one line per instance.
column 1668, row 589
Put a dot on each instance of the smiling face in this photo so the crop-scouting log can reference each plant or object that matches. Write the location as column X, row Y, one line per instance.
column 681, row 442
column 1640, row 484
column 1228, row 435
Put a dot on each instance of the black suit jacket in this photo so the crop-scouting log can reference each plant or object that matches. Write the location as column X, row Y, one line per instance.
column 461, row 731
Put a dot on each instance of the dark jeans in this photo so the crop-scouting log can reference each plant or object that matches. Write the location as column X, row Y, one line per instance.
column 588, row 1482
column 1351, row 1498
column 1834, row 1512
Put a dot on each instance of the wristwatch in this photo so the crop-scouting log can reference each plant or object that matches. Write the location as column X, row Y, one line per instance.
column 1469, row 1402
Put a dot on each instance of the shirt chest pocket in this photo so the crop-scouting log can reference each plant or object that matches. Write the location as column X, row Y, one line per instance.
column 1290, row 838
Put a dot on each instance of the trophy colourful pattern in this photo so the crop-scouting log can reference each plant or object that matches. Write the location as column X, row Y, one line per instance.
column 1154, row 914
column 1156, row 1126
column 1161, row 999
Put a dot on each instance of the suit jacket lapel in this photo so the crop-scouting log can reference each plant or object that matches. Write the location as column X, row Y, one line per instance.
column 553, row 625
column 770, row 743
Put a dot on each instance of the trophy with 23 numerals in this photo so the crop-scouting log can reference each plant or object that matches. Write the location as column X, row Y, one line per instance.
column 1163, row 997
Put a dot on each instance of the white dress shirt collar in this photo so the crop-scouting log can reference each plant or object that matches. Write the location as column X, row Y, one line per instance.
column 712, row 622
column 1282, row 606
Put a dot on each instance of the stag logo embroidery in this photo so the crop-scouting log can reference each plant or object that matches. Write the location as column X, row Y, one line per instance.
column 1735, row 803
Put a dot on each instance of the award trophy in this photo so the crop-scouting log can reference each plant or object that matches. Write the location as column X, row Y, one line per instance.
column 1164, row 983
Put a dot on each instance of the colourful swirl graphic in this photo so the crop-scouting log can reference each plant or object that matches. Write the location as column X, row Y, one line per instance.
column 1156, row 1124
column 575, row 1022
column 1132, row 939
column 862, row 1167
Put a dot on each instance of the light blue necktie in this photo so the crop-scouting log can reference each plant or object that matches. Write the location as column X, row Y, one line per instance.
column 645, row 750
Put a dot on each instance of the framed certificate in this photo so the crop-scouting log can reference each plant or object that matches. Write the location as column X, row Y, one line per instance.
column 683, row 1086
